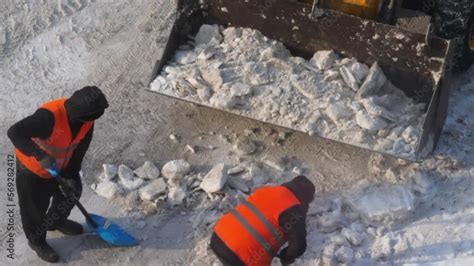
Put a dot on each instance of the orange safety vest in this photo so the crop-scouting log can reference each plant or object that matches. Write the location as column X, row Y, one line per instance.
column 251, row 230
column 59, row 145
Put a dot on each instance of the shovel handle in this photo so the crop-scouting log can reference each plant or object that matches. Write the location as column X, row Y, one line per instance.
column 85, row 213
column 78, row 204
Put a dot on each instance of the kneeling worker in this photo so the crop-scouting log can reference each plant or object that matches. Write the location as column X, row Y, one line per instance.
column 56, row 136
column 254, row 232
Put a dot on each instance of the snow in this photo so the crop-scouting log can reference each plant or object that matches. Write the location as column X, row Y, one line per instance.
column 374, row 82
column 176, row 195
column 132, row 184
column 215, row 180
column 369, row 122
column 175, row 170
column 275, row 164
column 384, row 202
column 240, row 89
column 349, row 78
column 153, row 190
column 128, row 180
column 353, row 237
column 107, row 189
column 320, row 206
column 360, row 71
column 422, row 183
column 236, row 170
column 125, row 173
column 147, row 171
column 207, row 33
column 330, row 222
column 345, row 255
column 374, row 109
column 256, row 174
column 338, row 111
column 324, row 59
column 50, row 49
column 245, row 146
column 238, row 183
column 256, row 77
column 110, row 171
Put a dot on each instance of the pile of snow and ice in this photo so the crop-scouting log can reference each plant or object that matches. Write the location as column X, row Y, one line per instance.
column 178, row 185
column 391, row 220
column 355, row 226
column 204, row 195
column 244, row 72
column 147, row 183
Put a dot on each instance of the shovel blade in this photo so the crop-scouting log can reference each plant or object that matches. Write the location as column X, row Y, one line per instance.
column 112, row 233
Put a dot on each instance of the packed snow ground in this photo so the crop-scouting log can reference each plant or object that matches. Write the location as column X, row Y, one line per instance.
column 50, row 49
column 244, row 72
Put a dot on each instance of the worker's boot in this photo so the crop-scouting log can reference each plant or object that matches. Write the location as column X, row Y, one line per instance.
column 68, row 227
column 44, row 251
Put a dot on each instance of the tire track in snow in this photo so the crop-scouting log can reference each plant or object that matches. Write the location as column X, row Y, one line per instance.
column 26, row 23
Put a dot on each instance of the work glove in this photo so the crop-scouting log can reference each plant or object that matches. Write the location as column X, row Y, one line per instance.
column 67, row 187
column 48, row 163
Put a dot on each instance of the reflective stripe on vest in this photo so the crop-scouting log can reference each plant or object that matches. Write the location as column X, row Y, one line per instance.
column 52, row 149
column 254, row 233
column 62, row 155
column 265, row 221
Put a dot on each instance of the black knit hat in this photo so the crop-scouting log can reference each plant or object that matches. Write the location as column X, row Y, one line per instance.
column 86, row 102
column 303, row 189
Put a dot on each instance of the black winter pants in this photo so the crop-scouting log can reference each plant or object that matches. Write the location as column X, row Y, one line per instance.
column 224, row 253
column 34, row 195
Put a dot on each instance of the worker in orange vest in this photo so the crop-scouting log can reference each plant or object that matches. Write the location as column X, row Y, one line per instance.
column 56, row 136
column 254, row 232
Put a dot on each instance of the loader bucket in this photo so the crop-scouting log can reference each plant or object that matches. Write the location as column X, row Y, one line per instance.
column 419, row 70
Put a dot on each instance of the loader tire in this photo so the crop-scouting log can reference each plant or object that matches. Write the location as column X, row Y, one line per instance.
column 453, row 20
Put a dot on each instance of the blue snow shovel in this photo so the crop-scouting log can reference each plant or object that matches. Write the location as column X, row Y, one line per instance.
column 108, row 231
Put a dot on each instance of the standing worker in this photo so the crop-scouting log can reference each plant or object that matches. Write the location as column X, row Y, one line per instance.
column 56, row 136
column 254, row 232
